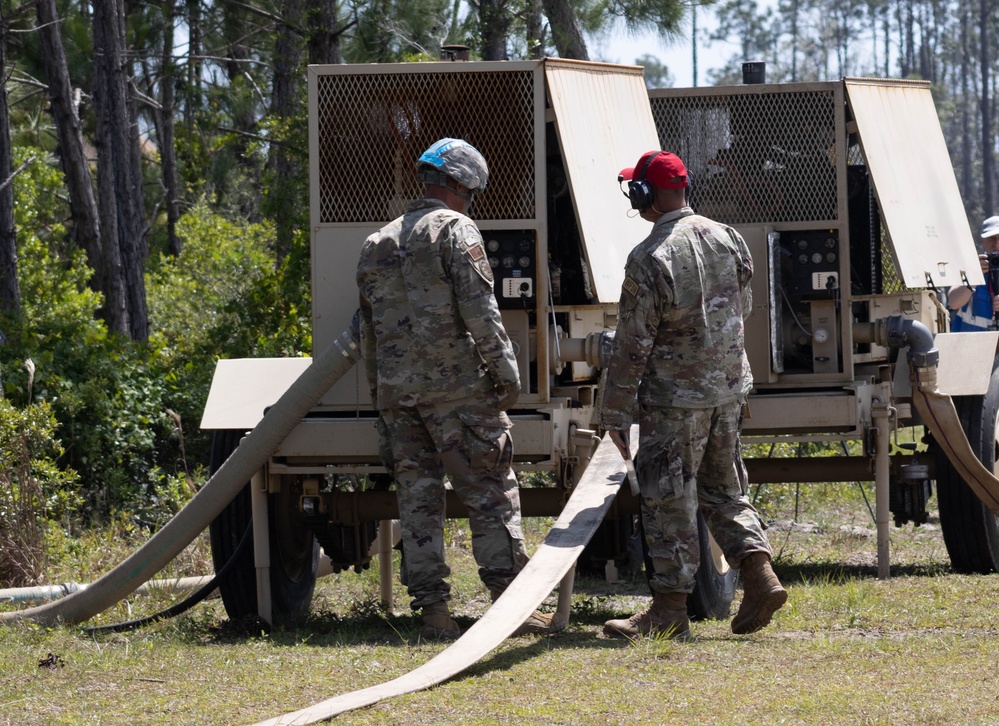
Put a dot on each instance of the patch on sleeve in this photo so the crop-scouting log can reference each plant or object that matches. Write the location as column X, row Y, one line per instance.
column 630, row 286
column 483, row 268
column 476, row 252
column 469, row 241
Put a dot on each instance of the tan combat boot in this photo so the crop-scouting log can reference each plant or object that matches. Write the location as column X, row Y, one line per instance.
column 437, row 623
column 667, row 615
column 762, row 594
column 537, row 623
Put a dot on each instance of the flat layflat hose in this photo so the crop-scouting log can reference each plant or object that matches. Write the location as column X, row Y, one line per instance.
column 252, row 453
column 936, row 409
column 579, row 519
column 938, row 413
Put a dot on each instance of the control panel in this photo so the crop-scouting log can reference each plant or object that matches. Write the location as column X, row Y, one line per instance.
column 513, row 257
column 813, row 259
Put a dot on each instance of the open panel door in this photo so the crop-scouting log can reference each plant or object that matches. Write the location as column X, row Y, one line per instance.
column 914, row 182
column 604, row 124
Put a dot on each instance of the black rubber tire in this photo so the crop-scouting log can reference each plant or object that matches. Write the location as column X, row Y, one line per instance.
column 714, row 585
column 294, row 549
column 971, row 529
column 714, row 582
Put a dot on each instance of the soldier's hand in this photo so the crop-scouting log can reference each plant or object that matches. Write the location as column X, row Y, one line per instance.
column 506, row 395
column 995, row 303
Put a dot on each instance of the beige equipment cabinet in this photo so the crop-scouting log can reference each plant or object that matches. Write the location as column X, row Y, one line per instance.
column 846, row 196
column 557, row 229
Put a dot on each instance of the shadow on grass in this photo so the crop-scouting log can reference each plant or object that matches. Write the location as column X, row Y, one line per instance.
column 595, row 601
column 366, row 624
column 324, row 628
column 807, row 573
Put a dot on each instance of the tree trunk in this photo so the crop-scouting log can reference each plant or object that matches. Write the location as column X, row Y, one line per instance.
column 872, row 14
column 533, row 30
column 988, row 141
column 10, row 291
column 324, row 31
column 493, row 26
column 85, row 228
column 192, row 100
column 168, row 152
column 910, row 39
column 119, row 182
column 927, row 69
column 242, row 111
column 693, row 45
column 284, row 105
column 967, row 181
column 887, row 37
column 566, row 33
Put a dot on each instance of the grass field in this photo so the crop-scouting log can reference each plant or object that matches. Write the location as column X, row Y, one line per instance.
column 847, row 648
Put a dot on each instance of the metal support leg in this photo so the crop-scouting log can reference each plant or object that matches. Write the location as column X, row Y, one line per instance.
column 565, row 596
column 881, row 415
column 385, row 562
column 261, row 545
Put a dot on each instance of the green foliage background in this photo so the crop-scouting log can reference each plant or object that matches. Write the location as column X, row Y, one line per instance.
column 126, row 415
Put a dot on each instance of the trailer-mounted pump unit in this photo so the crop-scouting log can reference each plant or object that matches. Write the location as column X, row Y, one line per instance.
column 848, row 227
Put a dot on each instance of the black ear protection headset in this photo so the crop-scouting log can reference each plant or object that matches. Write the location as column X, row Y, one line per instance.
column 639, row 191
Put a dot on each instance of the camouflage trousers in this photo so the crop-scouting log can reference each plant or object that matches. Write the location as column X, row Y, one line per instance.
column 471, row 443
column 688, row 459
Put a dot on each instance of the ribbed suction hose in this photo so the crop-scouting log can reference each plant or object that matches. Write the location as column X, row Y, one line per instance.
column 937, row 409
column 252, row 453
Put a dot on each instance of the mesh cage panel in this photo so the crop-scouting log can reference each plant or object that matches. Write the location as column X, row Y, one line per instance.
column 888, row 274
column 754, row 157
column 373, row 127
column 891, row 278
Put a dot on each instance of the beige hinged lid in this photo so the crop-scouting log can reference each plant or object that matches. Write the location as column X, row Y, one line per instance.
column 604, row 124
column 914, row 181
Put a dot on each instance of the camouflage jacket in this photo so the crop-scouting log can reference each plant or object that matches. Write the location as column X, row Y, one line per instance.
column 680, row 333
column 430, row 327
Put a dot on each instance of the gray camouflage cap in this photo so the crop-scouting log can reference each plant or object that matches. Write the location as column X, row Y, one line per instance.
column 456, row 159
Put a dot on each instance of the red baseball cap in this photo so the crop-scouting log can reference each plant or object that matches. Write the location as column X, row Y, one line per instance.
column 661, row 168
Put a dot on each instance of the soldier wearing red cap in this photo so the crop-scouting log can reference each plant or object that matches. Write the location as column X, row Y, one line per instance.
column 679, row 358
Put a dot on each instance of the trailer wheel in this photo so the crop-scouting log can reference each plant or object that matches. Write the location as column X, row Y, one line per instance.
column 294, row 549
column 714, row 581
column 971, row 529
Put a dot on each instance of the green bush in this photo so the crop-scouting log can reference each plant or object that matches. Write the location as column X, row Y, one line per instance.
column 107, row 401
column 128, row 414
column 34, row 490
column 221, row 298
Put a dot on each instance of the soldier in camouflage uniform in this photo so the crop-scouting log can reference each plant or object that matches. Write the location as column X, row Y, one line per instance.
column 442, row 373
column 679, row 356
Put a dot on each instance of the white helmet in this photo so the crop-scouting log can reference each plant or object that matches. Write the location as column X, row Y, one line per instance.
column 453, row 159
column 990, row 227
